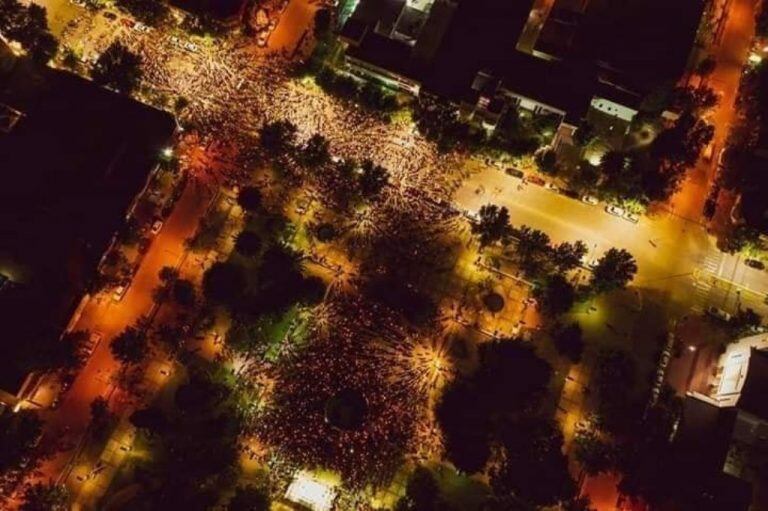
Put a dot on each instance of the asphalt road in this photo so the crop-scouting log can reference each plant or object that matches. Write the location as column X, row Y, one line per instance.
column 674, row 254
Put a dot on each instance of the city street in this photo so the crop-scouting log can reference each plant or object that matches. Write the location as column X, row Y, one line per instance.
column 104, row 315
column 675, row 256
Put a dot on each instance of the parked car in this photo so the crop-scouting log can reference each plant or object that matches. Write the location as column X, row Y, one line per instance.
column 191, row 47
column 535, row 180
column 631, row 217
column 614, row 210
column 110, row 15
column 141, row 27
column 93, row 340
column 719, row 313
column 514, row 172
column 721, row 157
column 589, row 199
column 127, row 22
column 754, row 263
column 156, row 226
column 551, row 186
column 119, row 292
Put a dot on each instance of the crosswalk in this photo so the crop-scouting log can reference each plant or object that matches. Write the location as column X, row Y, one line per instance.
column 703, row 283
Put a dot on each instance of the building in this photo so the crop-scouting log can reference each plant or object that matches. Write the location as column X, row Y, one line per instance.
column 395, row 41
column 492, row 55
column 730, row 418
column 73, row 156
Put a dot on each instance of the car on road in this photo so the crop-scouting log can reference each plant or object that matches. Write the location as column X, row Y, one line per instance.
column 261, row 39
column 719, row 313
column 120, row 292
column 631, row 217
column 721, row 157
column 614, row 210
column 589, row 199
column 755, row 263
column 93, row 340
column 156, row 226
column 535, row 180
column 514, row 172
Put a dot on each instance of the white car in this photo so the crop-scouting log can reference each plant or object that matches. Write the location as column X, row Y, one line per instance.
column 156, row 226
column 631, row 217
column 119, row 292
column 551, row 187
column 589, row 199
column 615, row 210
column 141, row 27
column 719, row 313
column 192, row 47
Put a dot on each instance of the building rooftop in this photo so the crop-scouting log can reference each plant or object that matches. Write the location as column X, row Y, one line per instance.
column 639, row 44
column 71, row 166
column 754, row 393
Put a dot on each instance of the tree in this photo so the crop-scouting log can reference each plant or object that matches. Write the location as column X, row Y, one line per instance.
column 585, row 133
column 613, row 271
column 593, row 452
column 224, row 283
column 533, row 247
column 706, row 66
column 249, row 199
column 171, row 336
column 492, row 225
column 533, row 468
column 422, row 493
column 373, row 179
column 556, row 295
column 510, row 380
column 19, row 433
column 613, row 380
column 153, row 420
column 248, row 243
column 66, row 353
column 569, row 342
column 184, row 292
column 322, row 22
column 547, row 161
column 101, row 417
column 45, row 497
column 745, row 321
column 151, row 12
column 567, row 256
column 315, row 152
column 118, row 68
column 29, row 27
column 278, row 137
column 130, row 346
column 249, row 498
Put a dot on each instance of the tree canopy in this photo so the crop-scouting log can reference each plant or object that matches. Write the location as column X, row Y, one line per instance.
column 118, row 68
column 492, row 224
column 614, row 270
column 130, row 346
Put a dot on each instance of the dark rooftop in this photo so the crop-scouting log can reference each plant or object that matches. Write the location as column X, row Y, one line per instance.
column 641, row 44
column 71, row 167
column 754, row 394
